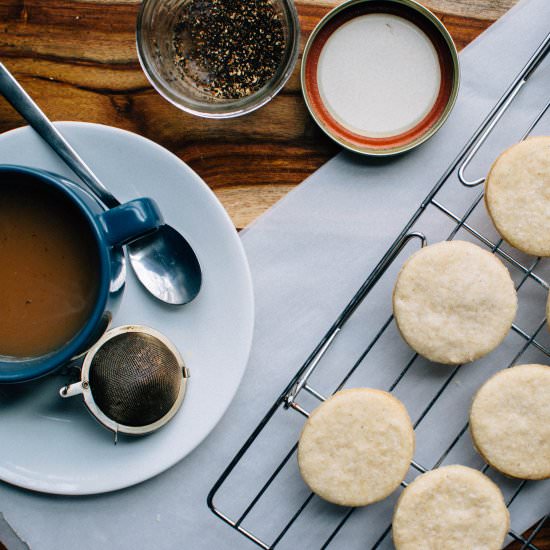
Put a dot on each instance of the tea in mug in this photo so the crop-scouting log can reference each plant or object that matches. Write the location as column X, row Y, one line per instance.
column 49, row 268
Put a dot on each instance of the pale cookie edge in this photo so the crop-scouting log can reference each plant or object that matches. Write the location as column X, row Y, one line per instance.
column 411, row 441
column 475, row 443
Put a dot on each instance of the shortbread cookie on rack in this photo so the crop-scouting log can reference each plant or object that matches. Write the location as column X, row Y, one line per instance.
column 517, row 195
column 510, row 421
column 454, row 302
column 451, row 508
column 356, row 448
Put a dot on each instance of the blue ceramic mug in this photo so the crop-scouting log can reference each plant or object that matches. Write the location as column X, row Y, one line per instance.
column 109, row 230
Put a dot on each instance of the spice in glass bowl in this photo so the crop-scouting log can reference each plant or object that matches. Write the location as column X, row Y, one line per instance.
column 228, row 49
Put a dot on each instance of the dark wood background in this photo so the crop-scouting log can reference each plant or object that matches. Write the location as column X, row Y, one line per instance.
column 77, row 59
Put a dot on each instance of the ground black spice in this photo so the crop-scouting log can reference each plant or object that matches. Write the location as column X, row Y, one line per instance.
column 229, row 48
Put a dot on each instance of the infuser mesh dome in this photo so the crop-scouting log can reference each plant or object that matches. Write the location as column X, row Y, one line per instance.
column 135, row 379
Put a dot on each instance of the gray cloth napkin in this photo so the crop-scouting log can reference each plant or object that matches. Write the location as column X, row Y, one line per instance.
column 308, row 255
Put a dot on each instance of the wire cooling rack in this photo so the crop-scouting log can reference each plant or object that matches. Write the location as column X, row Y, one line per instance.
column 248, row 520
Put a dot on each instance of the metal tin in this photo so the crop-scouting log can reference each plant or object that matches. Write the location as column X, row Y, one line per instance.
column 426, row 21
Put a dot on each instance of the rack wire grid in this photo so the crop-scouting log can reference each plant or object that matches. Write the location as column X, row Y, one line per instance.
column 301, row 386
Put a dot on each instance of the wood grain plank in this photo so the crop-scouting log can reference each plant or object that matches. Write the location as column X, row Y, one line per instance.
column 480, row 9
column 81, row 65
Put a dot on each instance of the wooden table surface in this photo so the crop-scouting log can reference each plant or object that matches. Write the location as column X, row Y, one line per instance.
column 77, row 59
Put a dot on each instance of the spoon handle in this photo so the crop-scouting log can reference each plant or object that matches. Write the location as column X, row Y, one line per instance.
column 29, row 110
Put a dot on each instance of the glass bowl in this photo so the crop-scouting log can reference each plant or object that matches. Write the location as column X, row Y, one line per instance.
column 155, row 27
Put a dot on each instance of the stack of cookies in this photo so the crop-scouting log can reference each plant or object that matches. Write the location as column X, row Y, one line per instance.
column 453, row 303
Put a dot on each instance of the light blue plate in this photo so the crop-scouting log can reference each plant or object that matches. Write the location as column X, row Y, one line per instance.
column 55, row 446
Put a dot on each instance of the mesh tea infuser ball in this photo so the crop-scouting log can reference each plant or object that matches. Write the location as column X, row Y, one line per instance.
column 133, row 380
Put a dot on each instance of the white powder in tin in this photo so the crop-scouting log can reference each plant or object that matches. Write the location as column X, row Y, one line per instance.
column 378, row 75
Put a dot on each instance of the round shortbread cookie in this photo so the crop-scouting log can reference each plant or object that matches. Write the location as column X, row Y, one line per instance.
column 356, row 448
column 454, row 302
column 510, row 421
column 517, row 195
column 451, row 508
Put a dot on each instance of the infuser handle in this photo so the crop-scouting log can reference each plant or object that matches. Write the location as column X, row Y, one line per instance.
column 71, row 390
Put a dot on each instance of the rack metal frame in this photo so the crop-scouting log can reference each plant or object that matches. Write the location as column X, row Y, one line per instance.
column 300, row 382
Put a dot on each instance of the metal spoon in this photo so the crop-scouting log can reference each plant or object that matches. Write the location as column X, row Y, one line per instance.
column 164, row 261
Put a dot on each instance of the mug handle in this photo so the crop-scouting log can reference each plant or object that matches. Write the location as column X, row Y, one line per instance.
column 130, row 221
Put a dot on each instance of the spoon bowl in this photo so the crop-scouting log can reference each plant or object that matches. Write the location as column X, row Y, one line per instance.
column 155, row 259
